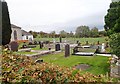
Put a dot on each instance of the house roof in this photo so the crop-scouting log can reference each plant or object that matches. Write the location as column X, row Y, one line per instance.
column 25, row 33
column 14, row 26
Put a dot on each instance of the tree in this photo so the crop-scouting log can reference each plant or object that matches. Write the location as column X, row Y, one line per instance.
column 82, row 31
column 115, row 47
column 115, row 44
column 33, row 33
column 112, row 18
column 63, row 34
column 52, row 34
column 71, row 34
column 102, row 33
column 6, row 25
column 94, row 32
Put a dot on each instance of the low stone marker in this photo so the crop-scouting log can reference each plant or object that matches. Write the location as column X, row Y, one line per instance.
column 14, row 46
column 67, row 50
column 57, row 47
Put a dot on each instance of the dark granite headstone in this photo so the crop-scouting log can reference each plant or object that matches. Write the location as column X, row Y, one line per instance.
column 75, row 50
column 77, row 42
column 14, row 46
column 40, row 45
column 98, row 43
column 30, row 43
column 87, row 43
column 60, row 39
column 57, row 47
column 97, row 50
column 67, row 50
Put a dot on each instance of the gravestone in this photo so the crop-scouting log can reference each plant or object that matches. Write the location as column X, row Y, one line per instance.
column 60, row 39
column 75, row 50
column 57, row 47
column 103, row 47
column 30, row 43
column 24, row 45
column 67, row 50
column 97, row 50
column 77, row 42
column 14, row 46
column 87, row 43
column 40, row 45
column 98, row 42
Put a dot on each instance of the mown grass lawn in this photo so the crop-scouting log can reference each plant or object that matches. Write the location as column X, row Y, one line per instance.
column 99, row 64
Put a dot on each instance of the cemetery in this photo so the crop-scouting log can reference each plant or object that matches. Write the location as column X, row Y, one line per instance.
column 46, row 50
column 79, row 56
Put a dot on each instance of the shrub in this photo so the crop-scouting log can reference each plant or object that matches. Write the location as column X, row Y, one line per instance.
column 22, row 69
column 115, row 44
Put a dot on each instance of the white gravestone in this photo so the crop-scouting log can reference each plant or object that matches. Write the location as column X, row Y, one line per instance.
column 103, row 47
column 54, row 41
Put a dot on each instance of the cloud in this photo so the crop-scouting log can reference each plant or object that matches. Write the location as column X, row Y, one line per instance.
column 48, row 15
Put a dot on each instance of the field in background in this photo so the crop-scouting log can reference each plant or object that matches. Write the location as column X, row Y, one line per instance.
column 73, row 40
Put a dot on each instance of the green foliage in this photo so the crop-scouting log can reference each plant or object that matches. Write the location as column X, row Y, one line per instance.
column 94, row 32
column 115, row 44
column 6, row 25
column 63, row 34
column 23, row 69
column 33, row 33
column 112, row 18
column 102, row 33
column 82, row 31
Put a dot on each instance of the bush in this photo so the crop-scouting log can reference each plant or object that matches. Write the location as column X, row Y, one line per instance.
column 115, row 44
column 22, row 69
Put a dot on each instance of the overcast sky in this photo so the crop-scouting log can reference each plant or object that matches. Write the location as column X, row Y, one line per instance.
column 49, row 15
